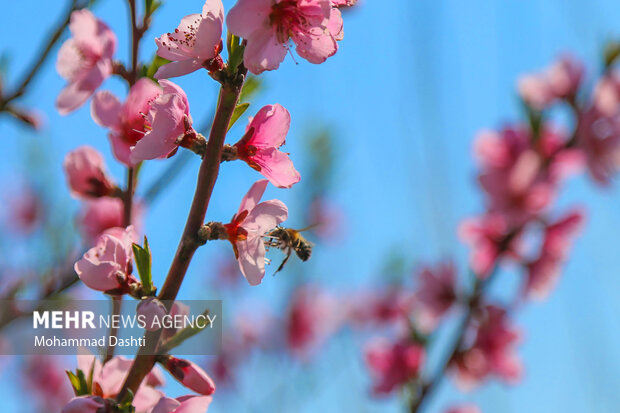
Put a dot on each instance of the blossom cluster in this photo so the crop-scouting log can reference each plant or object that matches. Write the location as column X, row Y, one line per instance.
column 154, row 121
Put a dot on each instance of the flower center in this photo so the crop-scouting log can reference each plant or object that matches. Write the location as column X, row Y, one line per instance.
column 184, row 39
column 287, row 18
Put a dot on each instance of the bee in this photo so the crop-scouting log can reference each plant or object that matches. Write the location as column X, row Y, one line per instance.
column 289, row 240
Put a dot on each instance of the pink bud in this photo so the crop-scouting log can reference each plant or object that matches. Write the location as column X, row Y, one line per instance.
column 191, row 376
column 84, row 404
column 86, row 174
column 151, row 309
column 184, row 404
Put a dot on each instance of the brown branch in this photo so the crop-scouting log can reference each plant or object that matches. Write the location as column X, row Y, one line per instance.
column 207, row 176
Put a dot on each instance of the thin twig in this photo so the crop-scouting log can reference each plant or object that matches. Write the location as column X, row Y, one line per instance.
column 42, row 56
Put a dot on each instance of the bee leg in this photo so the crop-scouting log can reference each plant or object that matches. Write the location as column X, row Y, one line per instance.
column 289, row 251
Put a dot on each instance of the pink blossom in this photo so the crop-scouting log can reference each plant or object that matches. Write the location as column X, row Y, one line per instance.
column 485, row 236
column 184, row 404
column 606, row 96
column 110, row 377
column 247, row 228
column 565, row 77
column 44, row 375
column 151, row 309
column 535, row 90
column 491, row 352
column 313, row 25
column 513, row 174
column 170, row 123
column 544, row 271
column 380, row 306
column 25, row 212
column 194, row 44
column 464, row 408
column 101, row 214
column 85, row 60
column 393, row 364
column 599, row 139
column 436, row 293
column 190, row 376
column 86, row 173
column 560, row 81
column 259, row 146
column 311, row 318
column 85, row 404
column 126, row 121
column 107, row 266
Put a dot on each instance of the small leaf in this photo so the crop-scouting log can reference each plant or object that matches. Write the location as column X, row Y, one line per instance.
column 251, row 88
column 239, row 110
column 125, row 404
column 75, row 382
column 156, row 63
column 78, row 382
column 143, row 259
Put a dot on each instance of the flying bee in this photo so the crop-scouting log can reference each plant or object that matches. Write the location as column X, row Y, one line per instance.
column 289, row 240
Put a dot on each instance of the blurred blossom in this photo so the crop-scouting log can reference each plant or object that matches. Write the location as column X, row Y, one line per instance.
column 464, row 408
column 544, row 271
column 313, row 316
column 25, row 211
column 599, row 139
column 126, row 121
column 86, row 173
column 85, row 60
column 44, row 375
column 380, row 306
column 436, row 294
column 393, row 364
column 560, row 81
column 104, row 213
column 484, row 235
column 514, row 171
column 491, row 352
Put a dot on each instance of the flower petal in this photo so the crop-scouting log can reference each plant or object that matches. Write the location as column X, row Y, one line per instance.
column 253, row 196
column 105, row 110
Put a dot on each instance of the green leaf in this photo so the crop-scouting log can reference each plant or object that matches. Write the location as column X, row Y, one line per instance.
column 125, row 404
column 235, row 52
column 251, row 88
column 143, row 259
column 239, row 110
column 78, row 382
column 150, row 6
column 156, row 63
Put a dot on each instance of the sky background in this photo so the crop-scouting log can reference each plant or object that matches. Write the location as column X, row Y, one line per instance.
column 412, row 84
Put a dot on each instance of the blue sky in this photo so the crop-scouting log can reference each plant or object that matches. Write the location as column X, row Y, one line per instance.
column 411, row 85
